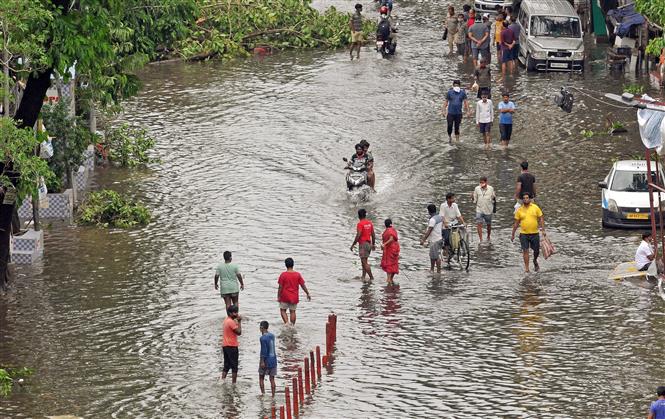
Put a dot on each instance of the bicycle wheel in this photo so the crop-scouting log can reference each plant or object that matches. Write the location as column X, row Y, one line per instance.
column 463, row 255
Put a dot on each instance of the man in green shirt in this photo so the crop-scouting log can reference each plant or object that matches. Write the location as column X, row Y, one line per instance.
column 228, row 275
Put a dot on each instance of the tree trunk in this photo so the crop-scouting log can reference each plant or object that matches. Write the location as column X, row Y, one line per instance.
column 33, row 99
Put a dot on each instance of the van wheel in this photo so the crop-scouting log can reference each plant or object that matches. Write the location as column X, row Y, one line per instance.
column 530, row 63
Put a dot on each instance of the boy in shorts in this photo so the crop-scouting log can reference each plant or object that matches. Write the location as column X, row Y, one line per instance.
column 288, row 293
column 268, row 358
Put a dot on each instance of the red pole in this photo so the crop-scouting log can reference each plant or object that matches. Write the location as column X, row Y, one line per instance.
column 273, row 413
column 325, row 360
column 296, row 411
column 318, row 362
column 287, row 402
column 301, row 390
column 307, row 376
column 328, row 334
column 651, row 209
column 334, row 328
column 313, row 370
column 281, row 412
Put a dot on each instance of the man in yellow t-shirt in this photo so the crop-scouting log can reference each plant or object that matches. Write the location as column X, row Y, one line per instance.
column 528, row 217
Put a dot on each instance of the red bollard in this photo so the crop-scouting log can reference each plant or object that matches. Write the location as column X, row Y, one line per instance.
column 313, row 370
column 287, row 402
column 273, row 413
column 307, row 377
column 281, row 412
column 328, row 348
column 334, row 328
column 318, row 362
column 301, row 390
column 296, row 411
column 325, row 360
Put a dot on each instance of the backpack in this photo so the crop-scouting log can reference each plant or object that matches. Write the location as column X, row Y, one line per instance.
column 383, row 30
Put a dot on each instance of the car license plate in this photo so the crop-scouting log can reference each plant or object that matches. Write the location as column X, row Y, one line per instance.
column 637, row 216
column 559, row 65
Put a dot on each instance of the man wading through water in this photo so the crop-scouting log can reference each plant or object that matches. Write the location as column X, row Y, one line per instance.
column 356, row 25
column 366, row 240
column 228, row 275
column 529, row 217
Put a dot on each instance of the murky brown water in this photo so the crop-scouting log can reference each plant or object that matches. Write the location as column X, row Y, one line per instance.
column 126, row 324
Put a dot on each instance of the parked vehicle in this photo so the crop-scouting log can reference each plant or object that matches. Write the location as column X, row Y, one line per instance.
column 625, row 195
column 551, row 37
column 489, row 6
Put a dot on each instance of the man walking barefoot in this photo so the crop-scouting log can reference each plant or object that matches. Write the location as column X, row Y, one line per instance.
column 433, row 233
column 228, row 275
column 366, row 240
column 356, row 25
column 288, row 292
column 484, row 198
column 529, row 217
column 268, row 358
column 231, row 329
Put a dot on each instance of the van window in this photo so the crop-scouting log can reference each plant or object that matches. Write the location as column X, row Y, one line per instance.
column 556, row 26
column 629, row 181
column 523, row 20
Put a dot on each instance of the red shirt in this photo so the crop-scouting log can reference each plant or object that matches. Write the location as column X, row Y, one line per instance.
column 229, row 337
column 290, row 282
column 366, row 228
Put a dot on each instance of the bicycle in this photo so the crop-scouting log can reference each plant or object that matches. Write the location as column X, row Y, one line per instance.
column 457, row 249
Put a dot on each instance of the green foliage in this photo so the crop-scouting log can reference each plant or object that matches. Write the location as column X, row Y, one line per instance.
column 23, row 30
column 655, row 11
column 9, row 375
column 128, row 146
column 17, row 158
column 636, row 89
column 70, row 139
column 587, row 133
column 107, row 208
column 230, row 28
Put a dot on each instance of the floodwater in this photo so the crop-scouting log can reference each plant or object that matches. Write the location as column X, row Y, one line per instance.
column 126, row 324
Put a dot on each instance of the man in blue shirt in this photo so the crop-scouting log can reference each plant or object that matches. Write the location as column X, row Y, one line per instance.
column 452, row 109
column 506, row 111
column 268, row 361
column 657, row 410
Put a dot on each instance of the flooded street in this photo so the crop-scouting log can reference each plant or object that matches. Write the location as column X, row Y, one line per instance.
column 126, row 324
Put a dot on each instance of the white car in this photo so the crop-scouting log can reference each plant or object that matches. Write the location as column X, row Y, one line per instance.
column 489, row 6
column 625, row 195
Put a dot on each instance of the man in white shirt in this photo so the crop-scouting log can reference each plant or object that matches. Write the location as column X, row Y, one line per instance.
column 433, row 232
column 485, row 117
column 644, row 255
column 450, row 212
column 484, row 198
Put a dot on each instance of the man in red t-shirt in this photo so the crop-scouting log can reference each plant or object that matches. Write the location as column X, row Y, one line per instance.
column 288, row 291
column 366, row 240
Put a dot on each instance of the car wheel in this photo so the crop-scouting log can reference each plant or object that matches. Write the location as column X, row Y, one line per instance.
column 530, row 63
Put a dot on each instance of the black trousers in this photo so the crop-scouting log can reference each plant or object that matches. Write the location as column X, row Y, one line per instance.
column 454, row 120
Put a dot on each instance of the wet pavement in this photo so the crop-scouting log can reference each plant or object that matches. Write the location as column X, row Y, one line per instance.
column 126, row 323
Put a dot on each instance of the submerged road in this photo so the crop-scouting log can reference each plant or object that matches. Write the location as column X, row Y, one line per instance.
column 126, row 324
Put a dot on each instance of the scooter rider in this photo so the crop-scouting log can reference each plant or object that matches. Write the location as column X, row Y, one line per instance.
column 386, row 27
column 371, row 178
column 360, row 158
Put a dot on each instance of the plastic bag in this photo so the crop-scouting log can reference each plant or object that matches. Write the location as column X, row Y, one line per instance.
column 547, row 247
column 43, row 193
column 46, row 149
column 652, row 126
column 475, row 86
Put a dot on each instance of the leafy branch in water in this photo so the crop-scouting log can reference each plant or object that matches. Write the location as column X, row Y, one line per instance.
column 636, row 89
column 231, row 28
column 9, row 375
column 108, row 208
column 127, row 146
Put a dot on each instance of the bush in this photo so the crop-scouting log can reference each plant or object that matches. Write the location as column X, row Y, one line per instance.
column 107, row 208
column 70, row 139
column 127, row 146
column 7, row 377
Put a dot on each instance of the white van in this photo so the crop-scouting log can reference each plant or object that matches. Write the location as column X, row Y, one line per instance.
column 625, row 195
column 551, row 37
column 489, row 6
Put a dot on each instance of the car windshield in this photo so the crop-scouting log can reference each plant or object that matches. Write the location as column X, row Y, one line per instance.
column 556, row 26
column 629, row 181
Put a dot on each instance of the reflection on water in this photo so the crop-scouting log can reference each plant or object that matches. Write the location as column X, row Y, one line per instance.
column 127, row 324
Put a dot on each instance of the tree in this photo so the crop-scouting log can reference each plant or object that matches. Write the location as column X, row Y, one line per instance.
column 20, row 170
column 654, row 10
column 22, row 33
